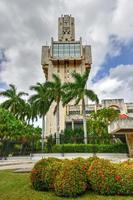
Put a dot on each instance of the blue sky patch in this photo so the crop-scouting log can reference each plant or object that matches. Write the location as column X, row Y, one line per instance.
column 124, row 57
column 3, row 85
column 2, row 56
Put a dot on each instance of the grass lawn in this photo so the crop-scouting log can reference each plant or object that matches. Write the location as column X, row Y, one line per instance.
column 16, row 186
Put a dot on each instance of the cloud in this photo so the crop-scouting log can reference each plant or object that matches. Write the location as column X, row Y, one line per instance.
column 118, row 84
column 27, row 25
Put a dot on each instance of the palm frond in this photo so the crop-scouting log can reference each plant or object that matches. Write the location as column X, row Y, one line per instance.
column 20, row 94
column 77, row 77
column 12, row 87
column 56, row 79
column 91, row 95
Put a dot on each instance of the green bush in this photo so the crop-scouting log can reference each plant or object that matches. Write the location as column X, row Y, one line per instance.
column 102, row 177
column 90, row 148
column 127, row 164
column 125, row 178
column 73, row 136
column 71, row 180
column 85, row 163
column 43, row 174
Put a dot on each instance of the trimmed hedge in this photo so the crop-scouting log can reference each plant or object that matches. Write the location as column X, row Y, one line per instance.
column 111, row 179
column 125, row 180
column 71, row 178
column 102, row 177
column 44, row 172
column 90, row 148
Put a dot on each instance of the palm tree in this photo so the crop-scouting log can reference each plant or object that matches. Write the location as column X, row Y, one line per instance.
column 28, row 114
column 40, row 104
column 14, row 102
column 55, row 92
column 77, row 90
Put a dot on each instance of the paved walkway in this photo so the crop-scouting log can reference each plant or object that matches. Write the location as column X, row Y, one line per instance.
column 17, row 164
column 25, row 164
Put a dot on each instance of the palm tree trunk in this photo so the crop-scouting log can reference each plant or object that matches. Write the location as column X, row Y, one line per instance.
column 43, row 131
column 84, row 121
column 57, row 124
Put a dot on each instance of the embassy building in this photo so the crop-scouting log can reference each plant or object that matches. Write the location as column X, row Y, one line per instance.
column 62, row 58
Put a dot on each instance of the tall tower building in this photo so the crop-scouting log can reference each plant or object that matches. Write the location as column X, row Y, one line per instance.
column 62, row 58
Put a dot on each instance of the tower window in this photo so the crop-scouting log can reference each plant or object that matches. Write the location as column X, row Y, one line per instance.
column 66, row 49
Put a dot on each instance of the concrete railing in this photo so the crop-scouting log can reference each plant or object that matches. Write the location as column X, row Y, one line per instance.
column 120, row 125
column 77, row 109
column 129, row 105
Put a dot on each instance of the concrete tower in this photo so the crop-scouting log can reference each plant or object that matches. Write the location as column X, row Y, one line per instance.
column 62, row 58
column 66, row 28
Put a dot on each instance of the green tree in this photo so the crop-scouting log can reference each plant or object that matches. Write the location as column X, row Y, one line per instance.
column 14, row 101
column 40, row 102
column 77, row 90
column 28, row 114
column 55, row 93
column 13, row 129
column 97, row 123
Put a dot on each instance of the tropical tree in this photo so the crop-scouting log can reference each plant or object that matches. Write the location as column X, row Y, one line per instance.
column 97, row 123
column 77, row 90
column 14, row 102
column 28, row 113
column 15, row 130
column 40, row 104
column 55, row 93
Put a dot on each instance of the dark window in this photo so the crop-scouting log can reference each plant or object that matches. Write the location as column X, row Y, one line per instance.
column 130, row 110
column 74, row 112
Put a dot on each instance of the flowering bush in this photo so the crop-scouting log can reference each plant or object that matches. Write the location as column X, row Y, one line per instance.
column 71, row 180
column 91, row 159
column 102, row 177
column 128, row 163
column 125, row 179
column 44, row 172
column 83, row 164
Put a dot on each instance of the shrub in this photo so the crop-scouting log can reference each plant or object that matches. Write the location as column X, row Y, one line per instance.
column 73, row 136
column 71, row 180
column 44, row 172
column 125, row 178
column 102, row 177
column 127, row 163
column 107, row 178
column 84, row 163
column 91, row 160
column 90, row 148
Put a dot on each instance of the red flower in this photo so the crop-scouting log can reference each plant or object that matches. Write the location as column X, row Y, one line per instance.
column 118, row 178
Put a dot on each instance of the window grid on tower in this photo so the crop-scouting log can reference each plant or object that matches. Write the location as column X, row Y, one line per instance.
column 66, row 50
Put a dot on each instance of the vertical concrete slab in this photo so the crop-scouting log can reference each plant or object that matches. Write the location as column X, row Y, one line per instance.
column 129, row 139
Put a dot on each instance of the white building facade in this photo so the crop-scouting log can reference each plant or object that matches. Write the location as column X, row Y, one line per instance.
column 62, row 58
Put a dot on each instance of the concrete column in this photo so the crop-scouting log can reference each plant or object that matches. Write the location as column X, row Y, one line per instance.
column 72, row 124
column 129, row 139
column 80, row 110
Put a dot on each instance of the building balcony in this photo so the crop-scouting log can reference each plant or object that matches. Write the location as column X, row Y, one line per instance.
column 129, row 107
column 64, row 59
column 74, row 112
column 121, row 126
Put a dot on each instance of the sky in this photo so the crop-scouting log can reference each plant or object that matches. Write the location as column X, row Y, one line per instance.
column 106, row 25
